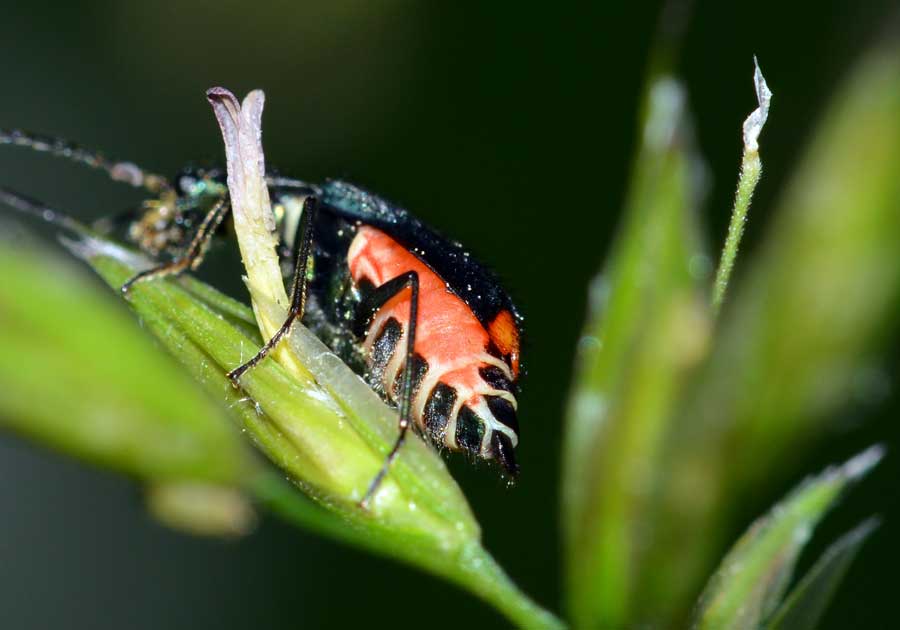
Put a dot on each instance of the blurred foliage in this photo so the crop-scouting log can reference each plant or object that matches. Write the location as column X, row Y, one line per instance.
column 678, row 424
column 650, row 324
column 804, row 322
column 79, row 375
column 753, row 578
column 805, row 606
column 656, row 461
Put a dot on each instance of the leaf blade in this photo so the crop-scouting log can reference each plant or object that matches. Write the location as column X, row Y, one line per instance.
column 812, row 312
column 807, row 602
column 77, row 374
column 648, row 326
column 753, row 577
column 209, row 343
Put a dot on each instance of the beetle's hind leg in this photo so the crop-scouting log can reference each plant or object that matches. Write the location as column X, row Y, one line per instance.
column 298, row 290
column 367, row 309
column 193, row 256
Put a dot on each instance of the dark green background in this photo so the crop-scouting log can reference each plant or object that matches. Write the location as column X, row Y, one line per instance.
column 509, row 128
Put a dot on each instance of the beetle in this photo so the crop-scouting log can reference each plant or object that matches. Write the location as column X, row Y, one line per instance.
column 429, row 328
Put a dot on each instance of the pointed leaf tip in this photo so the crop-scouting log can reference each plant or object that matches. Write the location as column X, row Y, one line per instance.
column 860, row 465
column 757, row 119
column 750, row 583
column 805, row 605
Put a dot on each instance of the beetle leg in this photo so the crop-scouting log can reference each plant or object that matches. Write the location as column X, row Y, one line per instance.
column 367, row 309
column 193, row 256
column 297, row 185
column 298, row 290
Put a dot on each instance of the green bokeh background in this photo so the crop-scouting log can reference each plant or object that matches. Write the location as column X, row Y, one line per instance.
column 509, row 128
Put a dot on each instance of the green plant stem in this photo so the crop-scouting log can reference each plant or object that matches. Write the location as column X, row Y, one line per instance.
column 482, row 576
column 488, row 580
column 474, row 570
column 751, row 169
column 186, row 328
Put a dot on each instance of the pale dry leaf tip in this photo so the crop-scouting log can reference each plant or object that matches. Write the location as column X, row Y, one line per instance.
column 254, row 222
column 226, row 108
column 757, row 119
column 254, row 160
column 227, row 112
column 864, row 462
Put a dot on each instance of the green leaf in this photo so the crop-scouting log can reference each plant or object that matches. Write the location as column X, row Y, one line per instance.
column 804, row 606
column 469, row 566
column 647, row 329
column 312, row 436
column 806, row 319
column 77, row 374
column 752, row 579
column 301, row 427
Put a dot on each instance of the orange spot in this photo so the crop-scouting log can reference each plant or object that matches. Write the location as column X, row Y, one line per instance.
column 505, row 335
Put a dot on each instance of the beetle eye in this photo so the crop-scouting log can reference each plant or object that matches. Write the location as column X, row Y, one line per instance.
column 469, row 430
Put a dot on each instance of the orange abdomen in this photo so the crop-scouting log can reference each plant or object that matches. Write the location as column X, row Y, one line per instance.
column 449, row 337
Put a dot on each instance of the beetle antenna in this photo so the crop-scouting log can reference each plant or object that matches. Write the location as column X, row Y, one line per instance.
column 40, row 210
column 126, row 172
